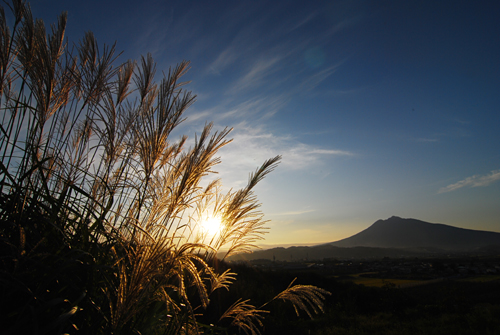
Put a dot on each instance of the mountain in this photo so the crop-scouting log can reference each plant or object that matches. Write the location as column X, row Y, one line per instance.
column 393, row 237
column 396, row 232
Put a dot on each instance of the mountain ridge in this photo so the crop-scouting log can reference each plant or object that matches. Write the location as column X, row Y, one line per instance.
column 392, row 237
column 396, row 232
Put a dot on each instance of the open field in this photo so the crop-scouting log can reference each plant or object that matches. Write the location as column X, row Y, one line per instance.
column 482, row 279
column 371, row 281
column 362, row 303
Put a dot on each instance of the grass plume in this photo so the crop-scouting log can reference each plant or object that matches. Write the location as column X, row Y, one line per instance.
column 100, row 208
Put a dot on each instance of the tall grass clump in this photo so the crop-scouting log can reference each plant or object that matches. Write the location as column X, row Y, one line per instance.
column 100, row 208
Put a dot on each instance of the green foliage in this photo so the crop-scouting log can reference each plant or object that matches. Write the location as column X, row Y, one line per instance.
column 100, row 209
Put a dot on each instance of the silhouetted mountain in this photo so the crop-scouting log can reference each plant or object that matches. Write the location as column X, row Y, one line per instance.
column 396, row 232
column 394, row 237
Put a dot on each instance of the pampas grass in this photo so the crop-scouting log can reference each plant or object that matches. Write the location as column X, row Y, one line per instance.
column 100, row 207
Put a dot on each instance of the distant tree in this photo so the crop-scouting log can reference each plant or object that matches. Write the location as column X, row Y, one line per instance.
column 100, row 209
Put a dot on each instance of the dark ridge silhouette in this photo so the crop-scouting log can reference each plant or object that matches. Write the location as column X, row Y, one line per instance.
column 394, row 237
column 320, row 252
column 396, row 232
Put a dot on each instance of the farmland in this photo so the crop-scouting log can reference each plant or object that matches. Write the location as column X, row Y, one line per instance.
column 438, row 296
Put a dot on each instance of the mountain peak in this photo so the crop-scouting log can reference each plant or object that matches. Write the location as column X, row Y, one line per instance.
column 396, row 232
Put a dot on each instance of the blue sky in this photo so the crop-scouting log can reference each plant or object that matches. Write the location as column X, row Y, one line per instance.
column 379, row 108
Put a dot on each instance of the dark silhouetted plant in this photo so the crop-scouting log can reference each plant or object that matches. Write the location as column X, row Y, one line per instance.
column 100, row 208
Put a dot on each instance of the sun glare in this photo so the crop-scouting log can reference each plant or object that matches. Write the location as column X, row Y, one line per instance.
column 211, row 225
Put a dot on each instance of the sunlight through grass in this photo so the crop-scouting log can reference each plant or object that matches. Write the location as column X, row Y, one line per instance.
column 211, row 226
column 100, row 209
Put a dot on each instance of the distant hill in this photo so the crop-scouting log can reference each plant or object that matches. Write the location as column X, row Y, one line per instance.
column 396, row 232
column 394, row 237
column 321, row 252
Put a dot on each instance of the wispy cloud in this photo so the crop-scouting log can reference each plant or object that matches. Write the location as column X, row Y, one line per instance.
column 331, row 152
column 255, row 108
column 225, row 58
column 262, row 61
column 349, row 22
column 303, row 22
column 298, row 156
column 245, row 43
column 252, row 145
column 474, row 181
column 261, row 69
column 317, row 78
column 196, row 117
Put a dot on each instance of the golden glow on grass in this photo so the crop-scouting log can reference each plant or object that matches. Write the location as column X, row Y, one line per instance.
column 211, row 225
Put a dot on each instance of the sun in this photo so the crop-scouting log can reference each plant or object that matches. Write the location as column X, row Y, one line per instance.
column 211, row 225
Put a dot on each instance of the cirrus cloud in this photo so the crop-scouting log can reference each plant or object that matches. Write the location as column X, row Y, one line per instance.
column 474, row 181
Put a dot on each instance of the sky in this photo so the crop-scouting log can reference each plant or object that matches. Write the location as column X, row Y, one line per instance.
column 378, row 108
